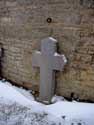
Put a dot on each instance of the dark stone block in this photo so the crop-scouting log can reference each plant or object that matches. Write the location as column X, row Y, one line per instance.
column 25, row 2
column 87, row 3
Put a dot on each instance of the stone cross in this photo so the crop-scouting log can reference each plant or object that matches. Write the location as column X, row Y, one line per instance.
column 48, row 60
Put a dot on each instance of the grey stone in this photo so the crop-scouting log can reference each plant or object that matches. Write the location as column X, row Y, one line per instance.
column 48, row 60
column 24, row 1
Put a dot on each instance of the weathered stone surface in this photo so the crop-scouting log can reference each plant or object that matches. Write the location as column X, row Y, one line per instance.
column 49, row 61
column 23, row 24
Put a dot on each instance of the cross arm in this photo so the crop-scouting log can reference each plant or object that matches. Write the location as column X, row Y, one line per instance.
column 59, row 62
column 36, row 59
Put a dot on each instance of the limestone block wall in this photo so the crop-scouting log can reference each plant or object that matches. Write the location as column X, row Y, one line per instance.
column 24, row 23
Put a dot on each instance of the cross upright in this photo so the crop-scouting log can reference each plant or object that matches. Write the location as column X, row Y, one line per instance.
column 48, row 60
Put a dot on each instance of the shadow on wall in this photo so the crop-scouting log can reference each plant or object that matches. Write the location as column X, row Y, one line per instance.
column 87, row 3
column 1, row 58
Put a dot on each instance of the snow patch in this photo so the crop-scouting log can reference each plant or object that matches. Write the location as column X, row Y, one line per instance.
column 19, row 107
column 57, row 99
column 63, row 57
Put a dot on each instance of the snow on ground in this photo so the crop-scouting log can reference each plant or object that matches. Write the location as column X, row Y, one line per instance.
column 72, row 111
column 18, row 107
